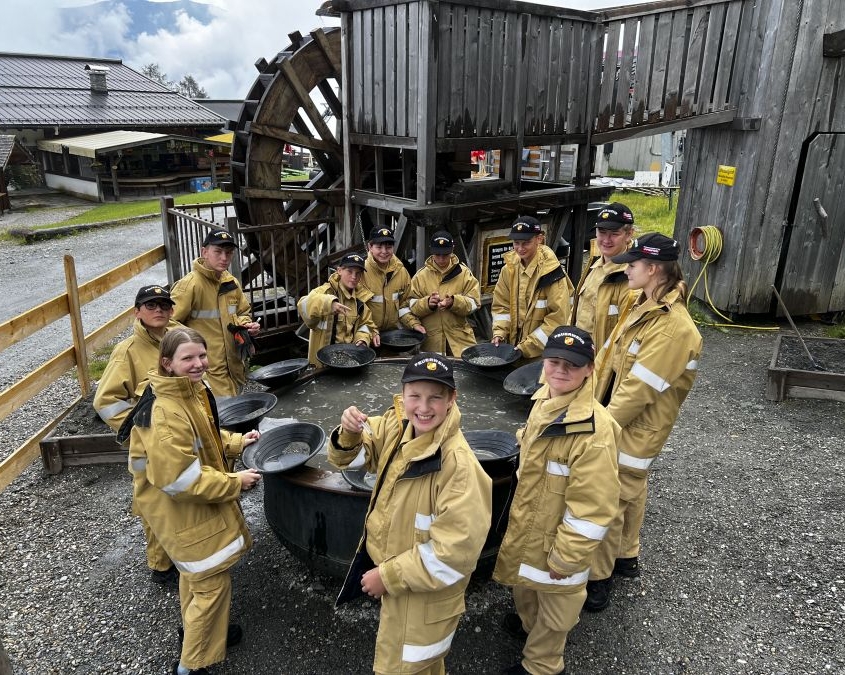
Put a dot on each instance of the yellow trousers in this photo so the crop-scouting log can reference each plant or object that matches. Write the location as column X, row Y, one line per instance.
column 205, row 619
column 623, row 535
column 548, row 618
column 157, row 558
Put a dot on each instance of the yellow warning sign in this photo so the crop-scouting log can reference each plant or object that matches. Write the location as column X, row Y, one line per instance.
column 726, row 175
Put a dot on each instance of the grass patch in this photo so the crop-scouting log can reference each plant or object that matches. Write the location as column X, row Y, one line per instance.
column 98, row 360
column 651, row 213
column 837, row 331
column 125, row 210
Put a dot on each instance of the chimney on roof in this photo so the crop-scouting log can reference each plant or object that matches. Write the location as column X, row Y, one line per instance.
column 97, row 75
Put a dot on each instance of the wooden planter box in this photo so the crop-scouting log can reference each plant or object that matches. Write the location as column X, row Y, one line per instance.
column 58, row 452
column 798, row 382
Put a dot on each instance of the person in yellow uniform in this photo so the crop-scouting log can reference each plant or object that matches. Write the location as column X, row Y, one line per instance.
column 387, row 279
column 533, row 294
column 183, row 488
column 644, row 375
column 443, row 294
column 428, row 518
column 337, row 311
column 564, row 501
column 209, row 299
column 603, row 288
column 124, row 380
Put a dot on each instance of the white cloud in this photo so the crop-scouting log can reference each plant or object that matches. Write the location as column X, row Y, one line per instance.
column 220, row 56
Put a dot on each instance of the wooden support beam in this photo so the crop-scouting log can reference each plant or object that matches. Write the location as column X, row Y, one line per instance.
column 293, row 138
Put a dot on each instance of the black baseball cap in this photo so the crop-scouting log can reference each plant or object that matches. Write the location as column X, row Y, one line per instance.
column 382, row 235
column 218, row 238
column 441, row 243
column 570, row 343
column 525, row 227
column 431, row 367
column 650, row 246
column 148, row 293
column 352, row 260
column 614, row 216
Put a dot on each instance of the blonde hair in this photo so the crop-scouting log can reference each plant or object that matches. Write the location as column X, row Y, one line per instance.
column 171, row 341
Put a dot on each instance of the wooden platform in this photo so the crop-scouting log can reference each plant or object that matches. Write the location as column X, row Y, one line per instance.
column 784, row 383
column 58, row 452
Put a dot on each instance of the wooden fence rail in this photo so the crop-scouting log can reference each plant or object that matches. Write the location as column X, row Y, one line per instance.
column 31, row 321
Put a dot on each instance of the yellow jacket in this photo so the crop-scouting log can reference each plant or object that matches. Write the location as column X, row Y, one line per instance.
column 125, row 376
column 609, row 286
column 389, row 302
column 446, row 331
column 328, row 328
column 528, row 324
column 208, row 305
column 567, row 494
column 425, row 531
column 180, row 481
column 647, row 371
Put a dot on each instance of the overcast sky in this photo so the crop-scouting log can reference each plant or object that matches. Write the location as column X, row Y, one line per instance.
column 220, row 56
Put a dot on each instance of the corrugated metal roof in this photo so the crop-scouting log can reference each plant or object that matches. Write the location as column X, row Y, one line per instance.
column 38, row 91
column 87, row 146
column 7, row 143
column 91, row 144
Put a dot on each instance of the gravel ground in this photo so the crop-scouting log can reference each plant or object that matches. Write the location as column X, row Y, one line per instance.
column 742, row 557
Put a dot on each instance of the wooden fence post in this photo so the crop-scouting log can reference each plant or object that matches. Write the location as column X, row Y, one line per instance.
column 170, row 238
column 78, row 332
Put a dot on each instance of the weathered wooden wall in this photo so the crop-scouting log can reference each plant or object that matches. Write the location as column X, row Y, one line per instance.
column 792, row 89
column 512, row 70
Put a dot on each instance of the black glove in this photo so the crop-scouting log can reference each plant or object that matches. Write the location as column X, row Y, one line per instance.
column 243, row 341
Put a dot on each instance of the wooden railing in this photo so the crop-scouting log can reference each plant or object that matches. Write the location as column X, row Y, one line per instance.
column 291, row 256
column 30, row 322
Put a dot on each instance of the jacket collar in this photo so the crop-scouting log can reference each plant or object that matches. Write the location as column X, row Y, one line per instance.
column 361, row 293
column 200, row 268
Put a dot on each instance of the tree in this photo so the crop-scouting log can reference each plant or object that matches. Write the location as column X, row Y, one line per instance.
column 153, row 71
column 187, row 86
column 190, row 88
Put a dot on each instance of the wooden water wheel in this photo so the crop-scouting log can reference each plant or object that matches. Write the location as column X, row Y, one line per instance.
column 293, row 103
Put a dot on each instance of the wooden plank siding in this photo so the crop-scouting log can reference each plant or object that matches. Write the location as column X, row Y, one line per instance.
column 664, row 61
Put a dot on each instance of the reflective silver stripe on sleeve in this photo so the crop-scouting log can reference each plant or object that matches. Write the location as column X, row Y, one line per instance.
column 635, row 462
column 413, row 302
column 304, row 308
column 404, row 311
column 395, row 297
column 472, row 305
column 692, row 365
column 612, row 310
column 501, row 317
column 378, row 299
column 606, row 343
column 653, row 380
column 634, row 348
column 542, row 576
column 557, row 469
column 423, row 522
column 542, row 338
column 213, row 560
column 542, row 304
column 138, row 464
column 364, row 329
column 584, row 527
column 323, row 325
column 205, row 314
column 109, row 411
column 417, row 653
column 187, row 478
column 232, row 309
column 436, row 568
